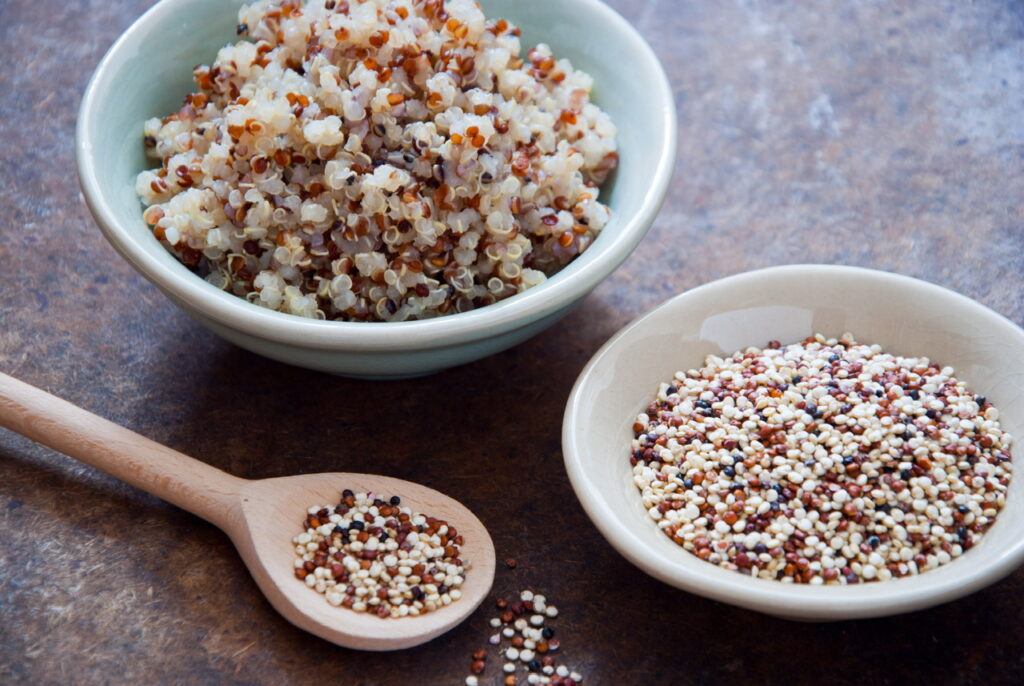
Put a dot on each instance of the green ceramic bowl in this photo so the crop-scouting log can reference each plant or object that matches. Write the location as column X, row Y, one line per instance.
column 148, row 71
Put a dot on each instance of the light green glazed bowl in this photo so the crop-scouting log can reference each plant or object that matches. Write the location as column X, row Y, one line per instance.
column 148, row 71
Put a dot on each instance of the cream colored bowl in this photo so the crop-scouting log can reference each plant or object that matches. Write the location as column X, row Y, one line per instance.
column 904, row 315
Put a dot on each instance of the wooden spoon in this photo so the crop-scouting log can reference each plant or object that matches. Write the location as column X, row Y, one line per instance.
column 261, row 517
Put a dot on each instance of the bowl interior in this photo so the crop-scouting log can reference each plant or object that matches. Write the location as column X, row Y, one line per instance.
column 903, row 315
column 148, row 72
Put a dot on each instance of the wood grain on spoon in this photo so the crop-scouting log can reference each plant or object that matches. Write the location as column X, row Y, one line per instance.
column 261, row 517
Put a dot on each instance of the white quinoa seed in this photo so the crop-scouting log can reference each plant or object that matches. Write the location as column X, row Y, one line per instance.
column 533, row 644
column 825, row 461
column 378, row 161
column 424, row 571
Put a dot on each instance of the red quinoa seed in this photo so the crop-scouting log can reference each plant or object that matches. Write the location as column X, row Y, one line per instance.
column 361, row 555
column 822, row 462
column 524, row 639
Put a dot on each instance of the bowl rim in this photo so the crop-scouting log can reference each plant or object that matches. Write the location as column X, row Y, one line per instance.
column 801, row 602
column 229, row 310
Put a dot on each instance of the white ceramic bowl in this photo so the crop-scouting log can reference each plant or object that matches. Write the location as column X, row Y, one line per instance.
column 148, row 71
column 905, row 316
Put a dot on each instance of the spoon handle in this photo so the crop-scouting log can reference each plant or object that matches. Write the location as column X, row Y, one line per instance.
column 125, row 455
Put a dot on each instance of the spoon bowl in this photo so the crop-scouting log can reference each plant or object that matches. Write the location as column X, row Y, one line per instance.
column 260, row 516
column 271, row 514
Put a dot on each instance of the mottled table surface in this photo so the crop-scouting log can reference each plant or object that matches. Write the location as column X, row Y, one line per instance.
column 882, row 134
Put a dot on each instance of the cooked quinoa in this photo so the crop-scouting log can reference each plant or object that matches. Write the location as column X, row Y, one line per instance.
column 379, row 160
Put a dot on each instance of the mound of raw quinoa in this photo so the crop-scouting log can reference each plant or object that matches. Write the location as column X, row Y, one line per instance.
column 379, row 160
column 825, row 461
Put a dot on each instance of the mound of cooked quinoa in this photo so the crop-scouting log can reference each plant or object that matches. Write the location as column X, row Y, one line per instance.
column 379, row 160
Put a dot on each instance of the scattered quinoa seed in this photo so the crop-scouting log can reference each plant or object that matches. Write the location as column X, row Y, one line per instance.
column 526, row 642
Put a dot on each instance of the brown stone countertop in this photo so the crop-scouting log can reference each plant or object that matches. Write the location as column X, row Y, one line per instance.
column 881, row 134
